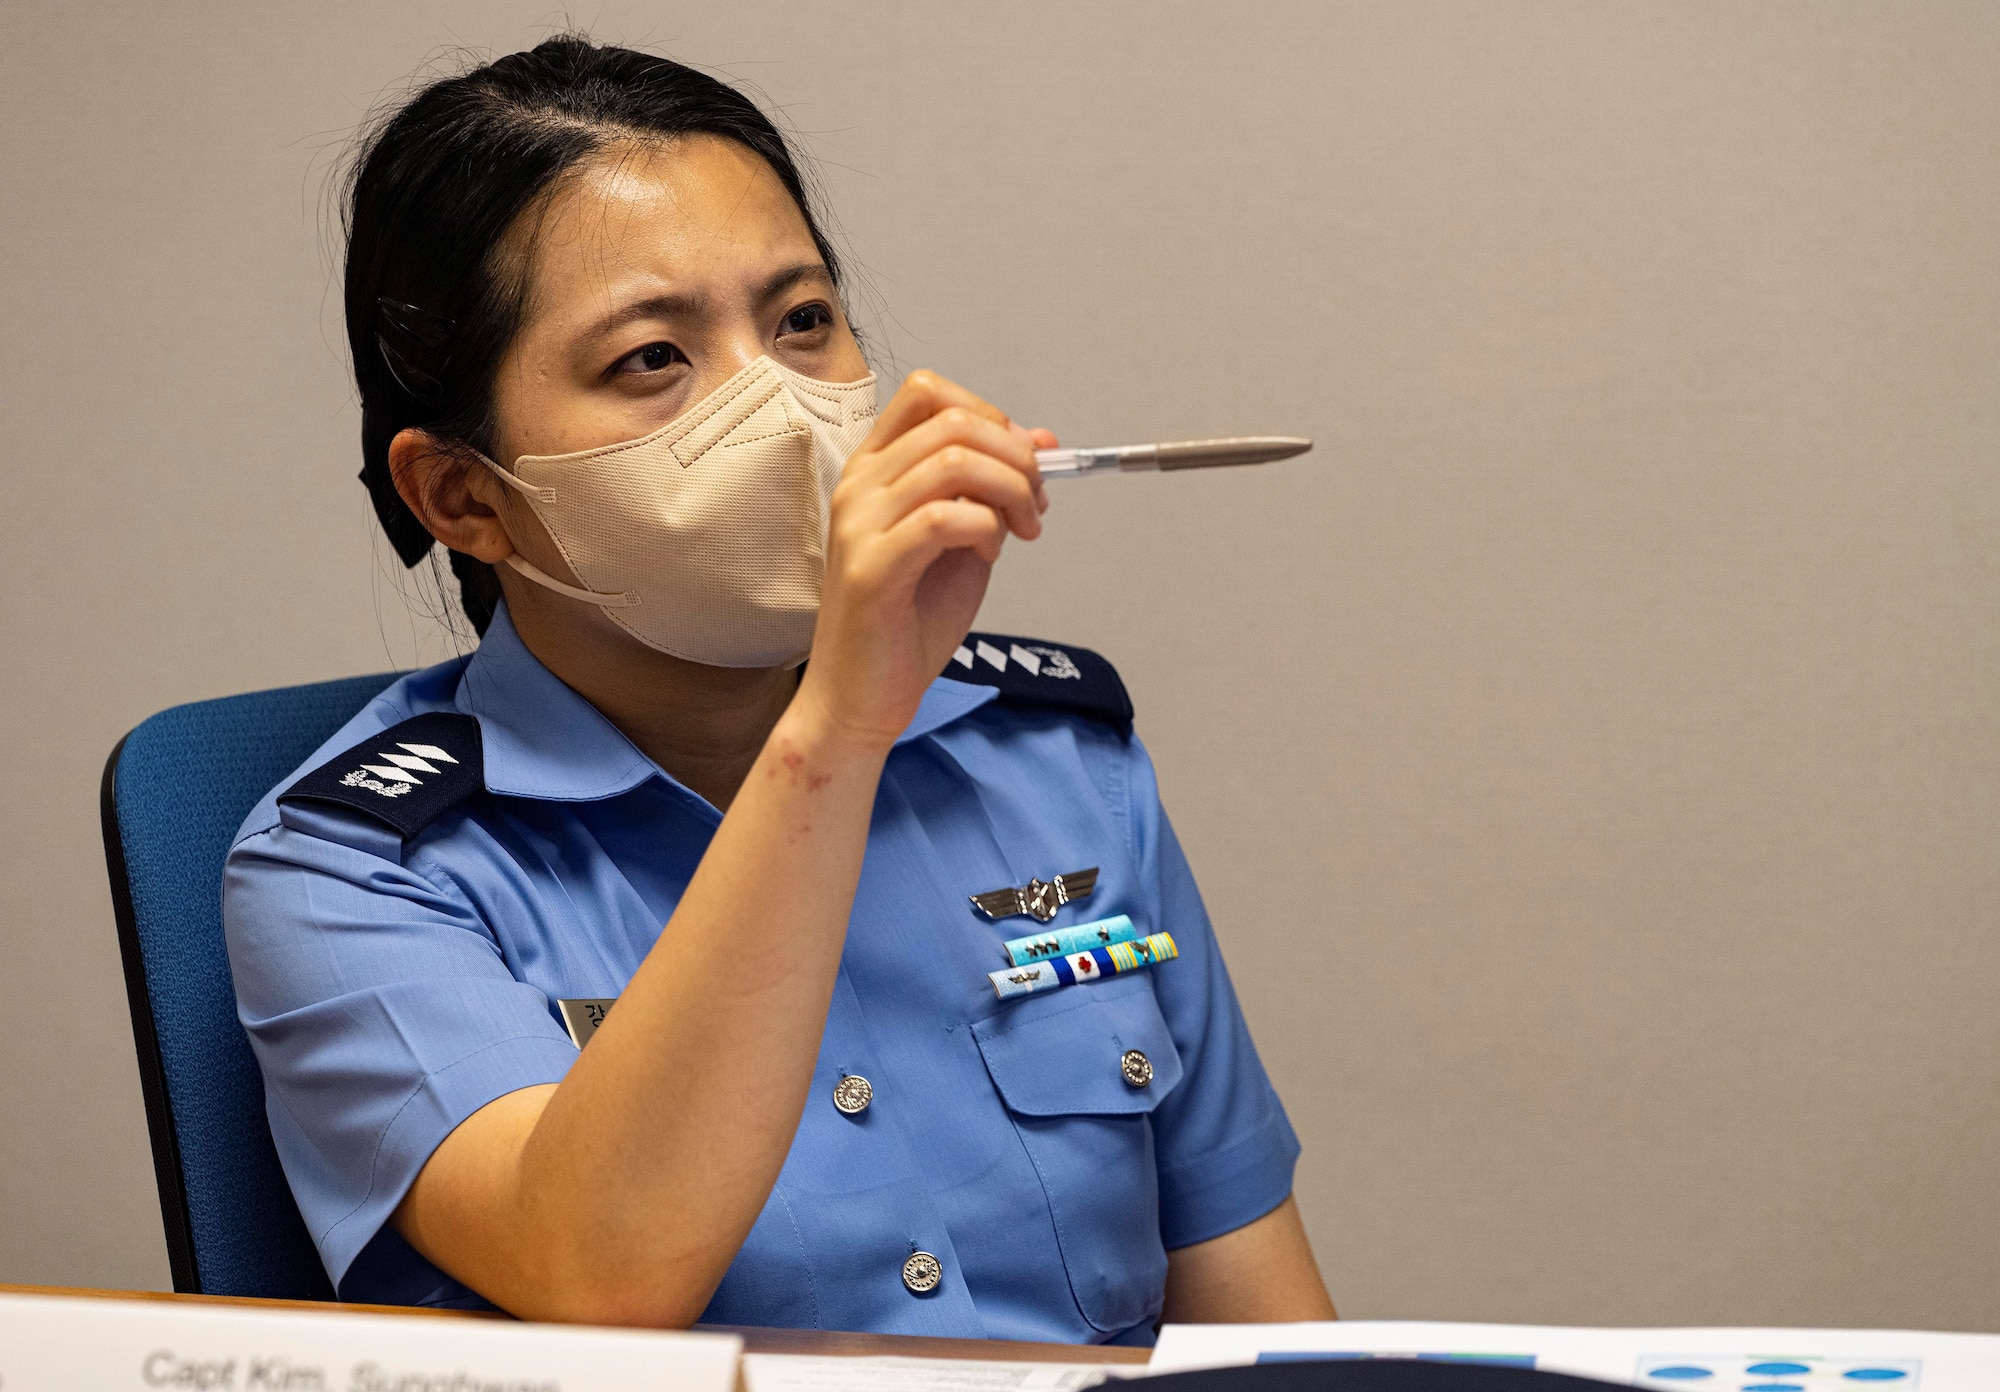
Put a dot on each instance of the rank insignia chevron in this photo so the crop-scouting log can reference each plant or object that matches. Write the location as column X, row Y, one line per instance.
column 406, row 776
column 1029, row 673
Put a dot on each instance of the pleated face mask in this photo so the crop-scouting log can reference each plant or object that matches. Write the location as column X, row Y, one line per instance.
column 707, row 538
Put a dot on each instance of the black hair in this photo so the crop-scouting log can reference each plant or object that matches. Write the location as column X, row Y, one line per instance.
column 436, row 185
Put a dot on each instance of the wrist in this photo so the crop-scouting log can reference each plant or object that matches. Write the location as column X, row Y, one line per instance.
column 810, row 727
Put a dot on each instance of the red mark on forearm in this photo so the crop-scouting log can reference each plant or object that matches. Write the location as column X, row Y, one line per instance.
column 794, row 761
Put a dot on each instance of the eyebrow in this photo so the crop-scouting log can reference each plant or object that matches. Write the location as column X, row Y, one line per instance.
column 674, row 305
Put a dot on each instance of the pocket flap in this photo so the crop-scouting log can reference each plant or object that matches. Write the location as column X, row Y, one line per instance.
column 1063, row 1055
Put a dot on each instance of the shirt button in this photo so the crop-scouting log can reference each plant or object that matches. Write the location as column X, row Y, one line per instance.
column 852, row 1094
column 1137, row 1068
column 922, row 1272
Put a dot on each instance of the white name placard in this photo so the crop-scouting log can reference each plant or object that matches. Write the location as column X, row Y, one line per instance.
column 57, row 1345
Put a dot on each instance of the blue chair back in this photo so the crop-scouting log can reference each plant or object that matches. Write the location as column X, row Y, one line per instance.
column 175, row 790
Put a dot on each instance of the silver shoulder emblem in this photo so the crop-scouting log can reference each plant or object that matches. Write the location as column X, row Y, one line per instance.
column 1039, row 899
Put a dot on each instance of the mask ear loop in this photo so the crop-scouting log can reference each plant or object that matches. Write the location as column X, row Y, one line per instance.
column 628, row 600
column 540, row 495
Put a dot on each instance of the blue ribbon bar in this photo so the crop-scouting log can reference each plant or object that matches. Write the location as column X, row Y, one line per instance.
column 1060, row 942
column 1093, row 965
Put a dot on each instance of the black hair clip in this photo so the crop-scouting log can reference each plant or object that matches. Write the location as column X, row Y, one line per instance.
column 420, row 351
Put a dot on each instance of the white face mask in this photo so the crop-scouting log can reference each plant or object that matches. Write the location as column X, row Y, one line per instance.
column 707, row 538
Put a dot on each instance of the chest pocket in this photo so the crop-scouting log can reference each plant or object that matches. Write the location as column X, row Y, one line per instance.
column 1064, row 1066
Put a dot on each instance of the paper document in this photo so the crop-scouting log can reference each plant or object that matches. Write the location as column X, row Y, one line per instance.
column 1767, row 1360
column 791, row 1372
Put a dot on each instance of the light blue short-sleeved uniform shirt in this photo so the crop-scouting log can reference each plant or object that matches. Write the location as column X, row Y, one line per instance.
column 392, row 987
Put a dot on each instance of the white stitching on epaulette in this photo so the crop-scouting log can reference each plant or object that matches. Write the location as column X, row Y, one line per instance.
column 1055, row 663
column 428, row 751
column 359, row 779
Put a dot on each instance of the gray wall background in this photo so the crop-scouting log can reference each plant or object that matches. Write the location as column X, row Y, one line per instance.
column 1589, row 752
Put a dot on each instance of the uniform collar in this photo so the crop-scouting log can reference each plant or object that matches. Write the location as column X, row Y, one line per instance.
column 945, row 702
column 539, row 738
column 542, row 740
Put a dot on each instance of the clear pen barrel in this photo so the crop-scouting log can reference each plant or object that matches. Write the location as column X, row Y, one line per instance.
column 1064, row 463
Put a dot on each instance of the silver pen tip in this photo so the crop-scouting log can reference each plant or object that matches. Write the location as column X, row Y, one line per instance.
column 1241, row 449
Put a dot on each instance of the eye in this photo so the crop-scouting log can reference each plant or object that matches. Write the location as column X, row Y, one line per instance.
column 805, row 319
column 651, row 358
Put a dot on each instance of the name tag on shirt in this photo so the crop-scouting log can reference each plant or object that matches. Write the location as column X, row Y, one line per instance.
column 582, row 1017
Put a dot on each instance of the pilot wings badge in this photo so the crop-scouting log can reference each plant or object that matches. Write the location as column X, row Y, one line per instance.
column 1039, row 899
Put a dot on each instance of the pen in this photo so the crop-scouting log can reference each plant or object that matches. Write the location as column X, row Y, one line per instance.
column 1178, row 454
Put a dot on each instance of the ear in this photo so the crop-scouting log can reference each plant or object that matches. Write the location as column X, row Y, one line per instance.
column 454, row 495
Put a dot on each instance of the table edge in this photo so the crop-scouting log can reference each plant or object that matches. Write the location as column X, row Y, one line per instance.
column 835, row 1343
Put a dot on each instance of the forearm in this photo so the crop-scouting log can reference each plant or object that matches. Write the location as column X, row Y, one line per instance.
column 1261, row 1273
column 622, row 1194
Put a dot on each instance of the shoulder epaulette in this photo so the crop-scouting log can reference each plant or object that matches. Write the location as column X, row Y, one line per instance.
column 1030, row 672
column 406, row 777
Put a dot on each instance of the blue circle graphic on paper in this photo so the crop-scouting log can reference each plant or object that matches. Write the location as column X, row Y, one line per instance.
column 1686, row 1371
column 1875, row 1374
column 1777, row 1369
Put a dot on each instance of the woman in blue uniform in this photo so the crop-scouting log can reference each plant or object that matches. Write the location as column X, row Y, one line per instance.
column 603, row 360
